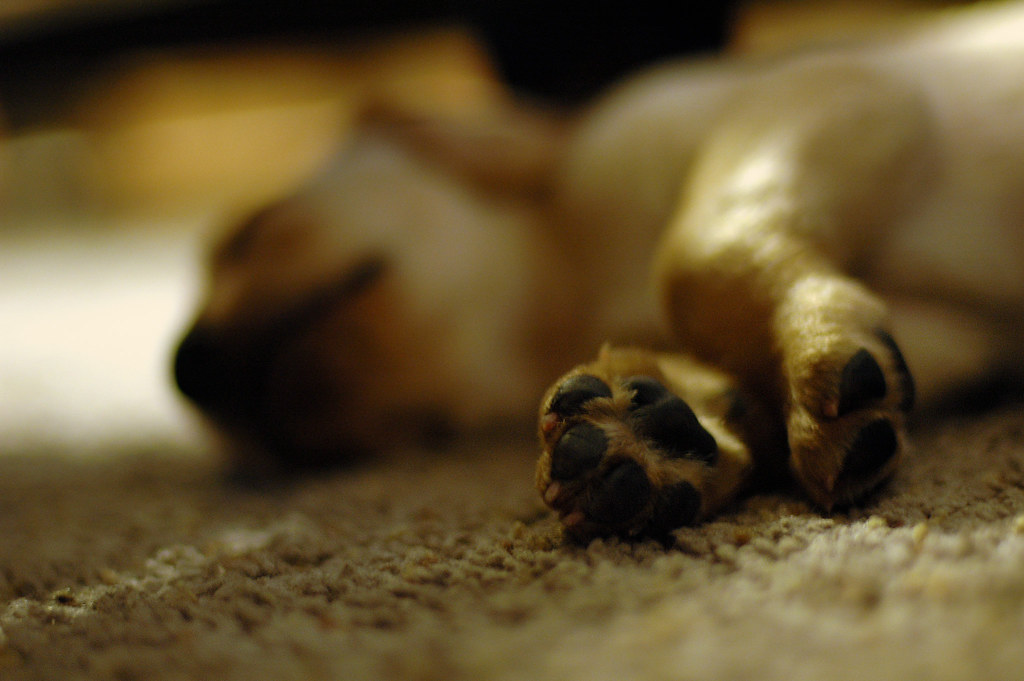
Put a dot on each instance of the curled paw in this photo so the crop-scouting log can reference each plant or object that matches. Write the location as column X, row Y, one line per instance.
column 622, row 456
column 846, row 439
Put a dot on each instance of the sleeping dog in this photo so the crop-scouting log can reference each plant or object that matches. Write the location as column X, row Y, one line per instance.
column 758, row 251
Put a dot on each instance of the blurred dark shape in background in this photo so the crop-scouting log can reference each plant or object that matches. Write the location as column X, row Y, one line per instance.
column 559, row 51
column 151, row 105
column 108, row 104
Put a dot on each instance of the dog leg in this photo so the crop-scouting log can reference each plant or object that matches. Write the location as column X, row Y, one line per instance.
column 791, row 196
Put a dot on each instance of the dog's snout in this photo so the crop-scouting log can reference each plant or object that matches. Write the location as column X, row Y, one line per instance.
column 197, row 369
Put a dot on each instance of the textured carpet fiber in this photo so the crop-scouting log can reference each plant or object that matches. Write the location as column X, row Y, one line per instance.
column 148, row 565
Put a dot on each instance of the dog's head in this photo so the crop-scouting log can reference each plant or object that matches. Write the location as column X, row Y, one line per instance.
column 383, row 302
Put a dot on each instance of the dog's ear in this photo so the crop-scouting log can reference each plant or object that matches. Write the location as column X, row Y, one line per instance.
column 510, row 151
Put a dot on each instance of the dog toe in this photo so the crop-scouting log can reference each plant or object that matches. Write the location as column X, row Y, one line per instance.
column 575, row 392
column 862, row 382
column 869, row 453
column 669, row 422
column 676, row 506
column 580, row 449
column 620, row 495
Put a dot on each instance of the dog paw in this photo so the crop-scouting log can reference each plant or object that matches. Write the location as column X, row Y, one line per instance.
column 623, row 456
column 846, row 416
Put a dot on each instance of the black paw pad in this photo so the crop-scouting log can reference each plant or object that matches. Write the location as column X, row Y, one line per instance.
column 906, row 379
column 577, row 391
column 677, row 505
column 669, row 422
column 620, row 495
column 579, row 449
column 646, row 391
column 862, row 382
column 873, row 447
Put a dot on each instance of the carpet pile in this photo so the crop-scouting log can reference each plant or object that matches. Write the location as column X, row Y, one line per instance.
column 149, row 564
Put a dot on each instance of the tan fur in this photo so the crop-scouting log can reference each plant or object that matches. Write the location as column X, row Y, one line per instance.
column 770, row 220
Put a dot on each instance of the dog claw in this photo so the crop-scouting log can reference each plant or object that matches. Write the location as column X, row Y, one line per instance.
column 573, row 519
column 552, row 493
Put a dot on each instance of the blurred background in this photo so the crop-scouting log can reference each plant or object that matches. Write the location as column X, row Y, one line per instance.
column 130, row 130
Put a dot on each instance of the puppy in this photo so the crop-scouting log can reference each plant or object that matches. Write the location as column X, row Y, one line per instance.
column 759, row 252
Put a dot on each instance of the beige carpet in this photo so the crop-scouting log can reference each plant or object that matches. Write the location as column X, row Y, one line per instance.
column 146, row 565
